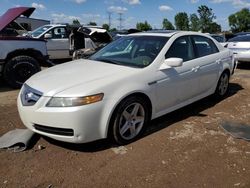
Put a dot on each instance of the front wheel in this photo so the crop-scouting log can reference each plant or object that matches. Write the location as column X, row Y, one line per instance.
column 222, row 86
column 129, row 120
column 18, row 69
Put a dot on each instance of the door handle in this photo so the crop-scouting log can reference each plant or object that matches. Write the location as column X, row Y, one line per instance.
column 218, row 61
column 195, row 69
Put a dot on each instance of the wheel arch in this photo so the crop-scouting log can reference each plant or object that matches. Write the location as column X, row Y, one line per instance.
column 226, row 71
column 37, row 55
column 140, row 94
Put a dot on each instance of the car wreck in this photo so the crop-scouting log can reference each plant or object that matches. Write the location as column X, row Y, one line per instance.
column 65, row 41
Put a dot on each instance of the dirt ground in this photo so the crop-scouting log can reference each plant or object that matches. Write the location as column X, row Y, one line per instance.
column 186, row 148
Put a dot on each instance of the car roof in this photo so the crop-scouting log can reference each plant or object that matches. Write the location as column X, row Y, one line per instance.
column 168, row 33
column 155, row 33
column 56, row 25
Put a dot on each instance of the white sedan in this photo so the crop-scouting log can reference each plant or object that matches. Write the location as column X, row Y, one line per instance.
column 240, row 46
column 123, row 86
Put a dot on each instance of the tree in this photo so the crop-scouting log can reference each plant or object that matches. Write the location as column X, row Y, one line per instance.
column 92, row 23
column 206, row 17
column 106, row 26
column 194, row 22
column 143, row 26
column 214, row 28
column 113, row 30
column 76, row 22
column 166, row 24
column 240, row 21
column 181, row 21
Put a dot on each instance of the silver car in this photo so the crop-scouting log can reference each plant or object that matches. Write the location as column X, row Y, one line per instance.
column 240, row 46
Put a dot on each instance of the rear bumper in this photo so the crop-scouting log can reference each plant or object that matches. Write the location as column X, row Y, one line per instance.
column 242, row 56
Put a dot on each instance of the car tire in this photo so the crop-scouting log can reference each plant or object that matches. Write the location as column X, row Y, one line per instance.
column 222, row 86
column 129, row 120
column 18, row 69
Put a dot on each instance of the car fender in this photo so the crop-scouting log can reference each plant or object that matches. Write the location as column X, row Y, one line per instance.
column 119, row 95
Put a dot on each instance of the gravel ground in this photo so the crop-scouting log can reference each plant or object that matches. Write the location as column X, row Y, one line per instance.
column 186, row 148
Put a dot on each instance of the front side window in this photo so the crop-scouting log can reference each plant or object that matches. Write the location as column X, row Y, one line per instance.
column 181, row 48
column 59, row 33
column 204, row 46
column 135, row 51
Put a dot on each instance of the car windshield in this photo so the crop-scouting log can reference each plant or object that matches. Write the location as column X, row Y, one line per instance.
column 134, row 51
column 40, row 30
column 245, row 38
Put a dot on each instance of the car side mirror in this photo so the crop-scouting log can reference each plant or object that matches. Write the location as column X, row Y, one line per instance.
column 47, row 36
column 171, row 62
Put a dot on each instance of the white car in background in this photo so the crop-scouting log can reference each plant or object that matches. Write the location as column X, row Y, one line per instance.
column 220, row 38
column 124, row 85
column 240, row 46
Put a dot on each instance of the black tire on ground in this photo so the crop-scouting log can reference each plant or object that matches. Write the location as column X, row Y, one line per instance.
column 129, row 120
column 222, row 86
column 18, row 69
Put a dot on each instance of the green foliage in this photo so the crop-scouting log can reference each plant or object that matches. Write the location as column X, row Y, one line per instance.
column 143, row 26
column 214, row 28
column 181, row 21
column 113, row 29
column 240, row 21
column 206, row 18
column 166, row 24
column 194, row 22
column 92, row 23
column 105, row 26
column 76, row 22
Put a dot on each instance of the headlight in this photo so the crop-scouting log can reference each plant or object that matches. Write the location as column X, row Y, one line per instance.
column 74, row 101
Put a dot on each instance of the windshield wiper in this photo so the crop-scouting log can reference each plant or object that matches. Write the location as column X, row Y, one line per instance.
column 108, row 61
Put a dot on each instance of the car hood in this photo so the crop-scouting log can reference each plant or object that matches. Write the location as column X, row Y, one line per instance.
column 59, row 78
column 13, row 13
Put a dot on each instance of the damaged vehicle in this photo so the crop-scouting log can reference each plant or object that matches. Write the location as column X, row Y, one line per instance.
column 20, row 57
column 63, row 41
column 95, row 38
column 118, row 90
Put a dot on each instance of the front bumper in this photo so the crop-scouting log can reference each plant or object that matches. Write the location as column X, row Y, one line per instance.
column 69, row 124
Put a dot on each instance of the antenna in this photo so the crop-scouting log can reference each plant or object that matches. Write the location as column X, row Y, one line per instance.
column 120, row 20
column 109, row 17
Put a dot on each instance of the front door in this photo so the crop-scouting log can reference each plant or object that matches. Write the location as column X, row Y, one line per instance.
column 178, row 84
column 58, row 45
column 210, row 61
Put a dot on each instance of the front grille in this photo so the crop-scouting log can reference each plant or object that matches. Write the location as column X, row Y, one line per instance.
column 30, row 96
column 54, row 130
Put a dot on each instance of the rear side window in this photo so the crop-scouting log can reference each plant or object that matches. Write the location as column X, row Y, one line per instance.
column 204, row 46
column 181, row 48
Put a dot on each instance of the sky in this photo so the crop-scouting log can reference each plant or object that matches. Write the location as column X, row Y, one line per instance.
column 132, row 11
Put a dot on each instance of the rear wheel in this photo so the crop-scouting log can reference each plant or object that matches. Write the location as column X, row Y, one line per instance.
column 129, row 120
column 222, row 86
column 18, row 69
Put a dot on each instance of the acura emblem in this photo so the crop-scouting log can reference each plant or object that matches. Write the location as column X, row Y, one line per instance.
column 29, row 96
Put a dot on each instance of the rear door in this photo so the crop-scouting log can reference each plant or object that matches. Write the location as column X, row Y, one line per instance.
column 58, row 46
column 210, row 63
